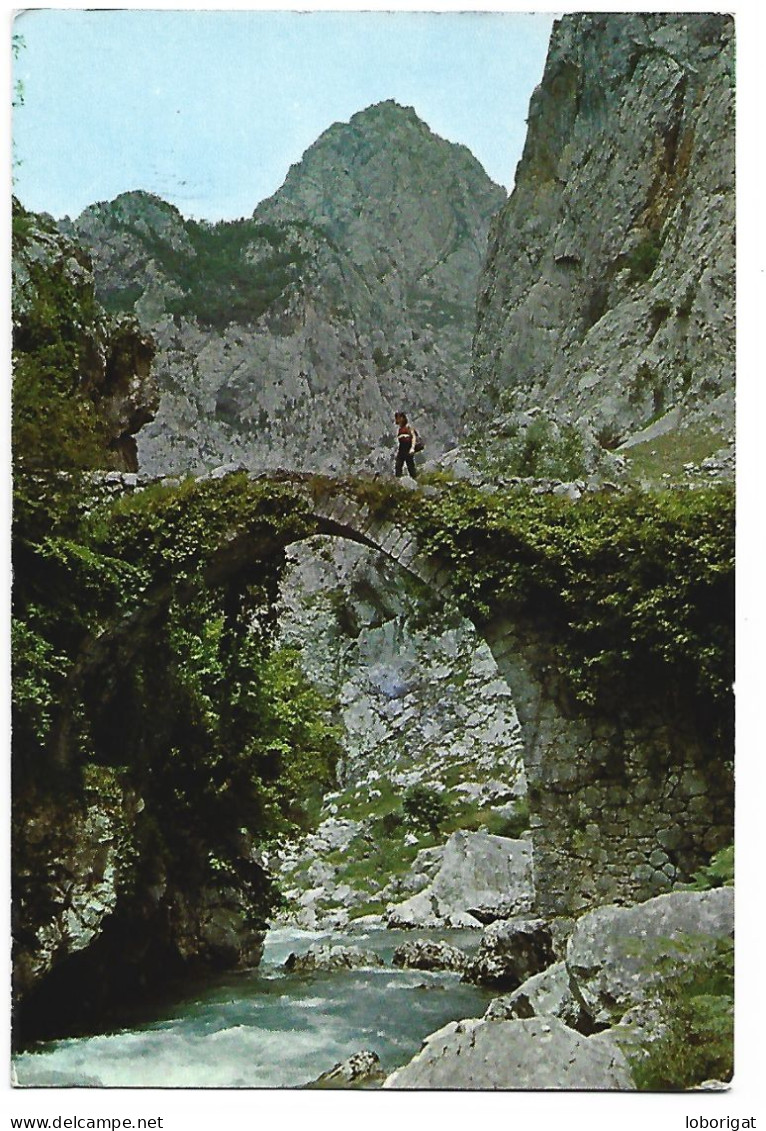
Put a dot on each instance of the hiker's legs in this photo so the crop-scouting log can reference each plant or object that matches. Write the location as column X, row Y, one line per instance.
column 403, row 457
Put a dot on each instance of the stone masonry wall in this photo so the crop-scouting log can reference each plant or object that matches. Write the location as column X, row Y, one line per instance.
column 621, row 811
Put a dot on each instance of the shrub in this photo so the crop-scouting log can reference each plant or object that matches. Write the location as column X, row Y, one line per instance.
column 636, row 589
column 609, row 435
column 540, row 449
column 389, row 824
column 424, row 807
column 718, row 873
column 58, row 334
column 642, row 261
column 697, row 1016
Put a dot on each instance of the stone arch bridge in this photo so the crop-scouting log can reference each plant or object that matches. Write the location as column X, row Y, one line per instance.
column 620, row 811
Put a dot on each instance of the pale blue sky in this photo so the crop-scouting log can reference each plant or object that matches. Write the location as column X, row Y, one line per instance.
column 209, row 109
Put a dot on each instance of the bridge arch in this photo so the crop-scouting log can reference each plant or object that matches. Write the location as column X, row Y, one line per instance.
column 619, row 810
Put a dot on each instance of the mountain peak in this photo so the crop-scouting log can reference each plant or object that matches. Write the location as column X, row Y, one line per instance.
column 389, row 109
column 383, row 161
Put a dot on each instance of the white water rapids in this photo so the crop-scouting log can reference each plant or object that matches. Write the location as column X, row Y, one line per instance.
column 267, row 1028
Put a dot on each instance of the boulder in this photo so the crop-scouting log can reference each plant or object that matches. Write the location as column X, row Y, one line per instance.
column 535, row 1053
column 423, row 954
column 363, row 1069
column 417, row 911
column 481, row 870
column 462, row 919
column 323, row 957
column 510, row 952
column 334, row 834
column 484, row 876
column 615, row 955
column 548, row 994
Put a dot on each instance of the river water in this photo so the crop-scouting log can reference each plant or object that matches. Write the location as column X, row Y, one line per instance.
column 266, row 1028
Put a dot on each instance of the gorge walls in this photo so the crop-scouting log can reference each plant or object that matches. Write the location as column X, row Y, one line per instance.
column 608, row 292
column 83, row 380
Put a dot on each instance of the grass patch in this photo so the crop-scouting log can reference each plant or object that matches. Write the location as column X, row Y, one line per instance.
column 485, row 818
column 667, row 454
column 369, row 856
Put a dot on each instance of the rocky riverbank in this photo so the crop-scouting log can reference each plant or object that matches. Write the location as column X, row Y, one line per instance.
column 596, row 1018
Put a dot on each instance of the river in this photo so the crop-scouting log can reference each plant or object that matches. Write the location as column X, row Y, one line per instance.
column 267, row 1028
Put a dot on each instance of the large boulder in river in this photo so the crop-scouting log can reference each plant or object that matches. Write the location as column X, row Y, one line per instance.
column 481, row 877
column 537, row 1053
column 323, row 957
column 425, row 954
column 419, row 910
column 510, row 952
column 616, row 955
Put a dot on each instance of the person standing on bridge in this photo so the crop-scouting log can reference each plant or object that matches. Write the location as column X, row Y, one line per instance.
column 406, row 441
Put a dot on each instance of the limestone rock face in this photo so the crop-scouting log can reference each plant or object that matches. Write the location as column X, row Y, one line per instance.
column 616, row 954
column 409, row 674
column 290, row 339
column 608, row 293
column 85, row 853
column 365, row 183
column 538, row 1053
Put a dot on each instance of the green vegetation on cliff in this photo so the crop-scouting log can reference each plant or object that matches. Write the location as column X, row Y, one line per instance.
column 143, row 660
column 198, row 661
column 240, row 268
column 58, row 332
column 231, row 271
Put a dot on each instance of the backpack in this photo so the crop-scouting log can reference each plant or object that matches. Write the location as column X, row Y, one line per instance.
column 418, row 444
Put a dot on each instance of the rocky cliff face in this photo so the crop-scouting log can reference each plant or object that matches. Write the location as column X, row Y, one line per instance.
column 422, row 707
column 608, row 294
column 98, row 918
column 290, row 339
column 76, row 369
